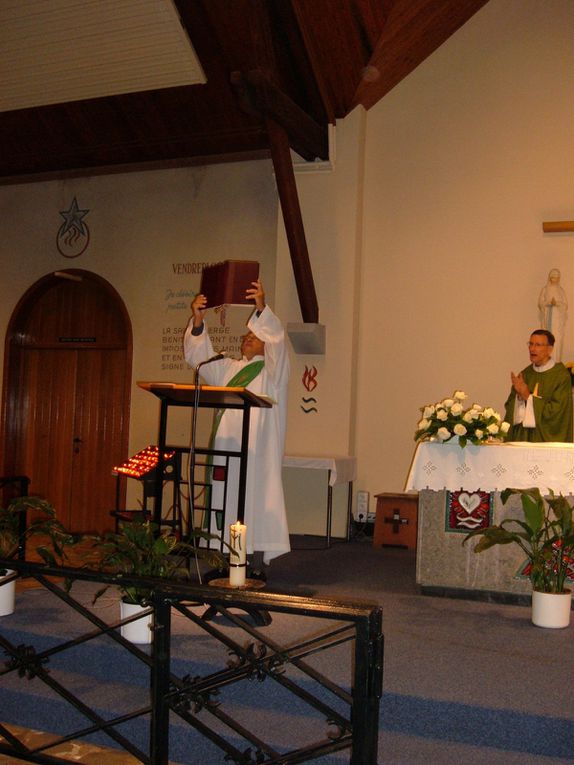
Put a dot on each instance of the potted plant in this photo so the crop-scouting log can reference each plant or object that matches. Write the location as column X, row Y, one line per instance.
column 14, row 531
column 546, row 536
column 140, row 549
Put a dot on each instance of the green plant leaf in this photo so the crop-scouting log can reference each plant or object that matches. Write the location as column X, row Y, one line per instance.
column 563, row 512
column 533, row 507
column 47, row 555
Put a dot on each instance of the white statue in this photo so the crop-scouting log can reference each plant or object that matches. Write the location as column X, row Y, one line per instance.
column 553, row 306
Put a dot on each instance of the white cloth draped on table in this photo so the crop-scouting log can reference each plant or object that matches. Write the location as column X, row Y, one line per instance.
column 492, row 467
column 341, row 469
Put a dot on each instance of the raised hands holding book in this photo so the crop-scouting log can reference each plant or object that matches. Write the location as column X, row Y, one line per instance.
column 199, row 304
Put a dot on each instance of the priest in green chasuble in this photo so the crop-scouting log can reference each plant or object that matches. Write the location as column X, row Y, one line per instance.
column 264, row 370
column 539, row 406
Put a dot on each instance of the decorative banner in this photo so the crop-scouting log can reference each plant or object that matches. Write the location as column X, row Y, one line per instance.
column 468, row 510
column 309, row 380
column 73, row 236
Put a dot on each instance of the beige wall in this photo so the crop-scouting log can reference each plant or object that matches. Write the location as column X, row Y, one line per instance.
column 425, row 240
column 462, row 162
column 331, row 205
column 145, row 231
column 465, row 159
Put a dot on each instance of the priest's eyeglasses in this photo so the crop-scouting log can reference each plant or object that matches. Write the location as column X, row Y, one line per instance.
column 536, row 345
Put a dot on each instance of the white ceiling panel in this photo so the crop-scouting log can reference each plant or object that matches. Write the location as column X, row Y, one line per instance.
column 53, row 51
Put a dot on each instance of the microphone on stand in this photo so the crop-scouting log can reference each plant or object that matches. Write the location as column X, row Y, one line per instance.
column 219, row 355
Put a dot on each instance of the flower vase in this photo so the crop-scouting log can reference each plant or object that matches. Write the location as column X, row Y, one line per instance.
column 139, row 631
column 7, row 594
column 551, row 609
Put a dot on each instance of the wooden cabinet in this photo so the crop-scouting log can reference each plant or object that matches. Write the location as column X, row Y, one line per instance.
column 396, row 520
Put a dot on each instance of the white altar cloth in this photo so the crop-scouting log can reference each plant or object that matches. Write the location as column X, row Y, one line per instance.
column 492, row 467
column 341, row 469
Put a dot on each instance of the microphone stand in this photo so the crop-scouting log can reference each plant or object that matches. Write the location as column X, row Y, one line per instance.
column 192, row 462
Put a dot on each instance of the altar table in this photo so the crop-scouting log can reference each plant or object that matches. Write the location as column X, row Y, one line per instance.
column 438, row 470
column 340, row 469
column 493, row 467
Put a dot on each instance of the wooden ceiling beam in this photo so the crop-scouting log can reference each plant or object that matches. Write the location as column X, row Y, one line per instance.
column 294, row 229
column 258, row 96
column 412, row 31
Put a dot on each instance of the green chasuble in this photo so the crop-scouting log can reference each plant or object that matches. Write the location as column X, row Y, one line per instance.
column 552, row 406
column 239, row 380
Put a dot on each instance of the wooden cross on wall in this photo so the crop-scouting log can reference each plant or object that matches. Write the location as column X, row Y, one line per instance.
column 557, row 226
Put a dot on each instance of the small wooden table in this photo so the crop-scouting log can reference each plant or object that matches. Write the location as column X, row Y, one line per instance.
column 396, row 520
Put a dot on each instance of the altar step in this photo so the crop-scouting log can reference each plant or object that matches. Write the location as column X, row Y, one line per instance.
column 75, row 751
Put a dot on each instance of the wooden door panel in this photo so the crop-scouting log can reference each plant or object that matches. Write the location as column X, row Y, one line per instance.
column 98, row 429
column 43, row 442
column 67, row 376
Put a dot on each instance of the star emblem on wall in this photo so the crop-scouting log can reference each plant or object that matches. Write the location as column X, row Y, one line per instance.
column 73, row 235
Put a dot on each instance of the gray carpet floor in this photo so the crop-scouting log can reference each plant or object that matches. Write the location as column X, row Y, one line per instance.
column 464, row 681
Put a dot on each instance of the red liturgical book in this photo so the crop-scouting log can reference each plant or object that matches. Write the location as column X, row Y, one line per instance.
column 225, row 283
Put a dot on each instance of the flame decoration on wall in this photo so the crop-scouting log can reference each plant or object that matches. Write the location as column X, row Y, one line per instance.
column 310, row 378
column 309, row 381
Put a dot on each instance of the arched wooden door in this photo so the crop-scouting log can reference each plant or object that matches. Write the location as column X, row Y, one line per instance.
column 66, row 395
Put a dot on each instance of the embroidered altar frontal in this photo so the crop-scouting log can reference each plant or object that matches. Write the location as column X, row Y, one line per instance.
column 459, row 490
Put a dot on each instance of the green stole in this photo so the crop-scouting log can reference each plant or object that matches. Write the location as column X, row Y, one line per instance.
column 240, row 380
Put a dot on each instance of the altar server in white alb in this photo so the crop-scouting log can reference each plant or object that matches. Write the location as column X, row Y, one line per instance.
column 263, row 369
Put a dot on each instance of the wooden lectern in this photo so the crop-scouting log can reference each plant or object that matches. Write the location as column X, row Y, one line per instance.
column 177, row 394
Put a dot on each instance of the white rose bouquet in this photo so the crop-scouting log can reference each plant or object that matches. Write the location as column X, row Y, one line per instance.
column 448, row 419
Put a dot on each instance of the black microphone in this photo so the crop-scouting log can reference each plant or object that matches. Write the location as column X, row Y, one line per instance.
column 220, row 355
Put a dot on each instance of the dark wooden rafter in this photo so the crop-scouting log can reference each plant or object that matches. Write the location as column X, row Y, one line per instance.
column 310, row 63
column 260, row 97
column 412, row 30
column 287, row 189
column 287, row 126
column 339, row 37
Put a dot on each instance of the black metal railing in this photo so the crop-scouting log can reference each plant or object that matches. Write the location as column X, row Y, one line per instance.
column 346, row 714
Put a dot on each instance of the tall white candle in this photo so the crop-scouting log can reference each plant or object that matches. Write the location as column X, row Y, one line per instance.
column 237, row 561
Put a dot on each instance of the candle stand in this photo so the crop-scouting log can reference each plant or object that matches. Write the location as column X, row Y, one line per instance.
column 260, row 617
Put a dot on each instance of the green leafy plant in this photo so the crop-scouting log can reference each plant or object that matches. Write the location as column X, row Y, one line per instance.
column 139, row 549
column 14, row 530
column 545, row 535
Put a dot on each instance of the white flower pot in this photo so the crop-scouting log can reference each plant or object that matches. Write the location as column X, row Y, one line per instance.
column 7, row 595
column 550, row 609
column 138, row 631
